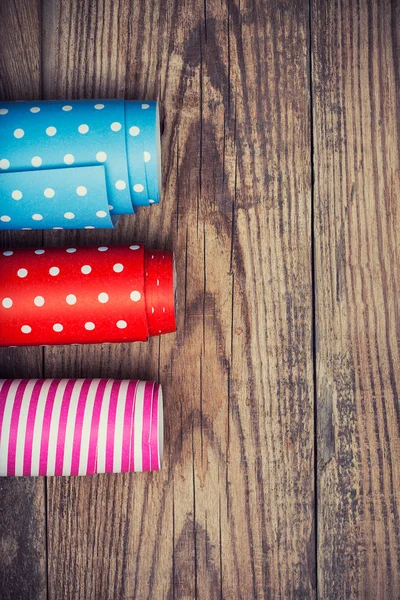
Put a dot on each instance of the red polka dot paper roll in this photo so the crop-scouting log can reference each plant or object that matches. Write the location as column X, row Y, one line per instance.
column 79, row 426
column 85, row 295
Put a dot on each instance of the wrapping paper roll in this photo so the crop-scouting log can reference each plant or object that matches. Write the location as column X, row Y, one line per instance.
column 79, row 426
column 85, row 295
column 77, row 163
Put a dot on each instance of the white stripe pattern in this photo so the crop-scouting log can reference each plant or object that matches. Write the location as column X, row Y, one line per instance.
column 119, row 427
column 22, row 426
column 102, row 433
column 69, row 433
column 138, row 427
column 89, row 438
column 87, row 419
column 5, row 428
column 38, row 427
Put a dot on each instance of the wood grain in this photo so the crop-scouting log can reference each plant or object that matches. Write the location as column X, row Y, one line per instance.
column 23, row 569
column 356, row 85
column 231, row 514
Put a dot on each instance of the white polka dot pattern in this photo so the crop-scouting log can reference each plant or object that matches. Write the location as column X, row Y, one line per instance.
column 36, row 161
column 101, row 157
column 79, row 295
column 134, row 130
column 81, row 144
column 4, row 163
column 50, row 131
column 39, row 301
column 81, row 190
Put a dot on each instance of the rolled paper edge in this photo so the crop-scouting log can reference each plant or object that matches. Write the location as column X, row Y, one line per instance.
column 155, row 144
column 160, row 322
column 158, row 151
column 160, row 436
column 175, row 281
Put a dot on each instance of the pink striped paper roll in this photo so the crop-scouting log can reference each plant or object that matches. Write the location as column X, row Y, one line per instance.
column 79, row 426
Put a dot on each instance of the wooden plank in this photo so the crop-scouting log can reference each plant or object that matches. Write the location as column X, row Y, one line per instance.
column 270, row 440
column 22, row 501
column 356, row 83
column 231, row 514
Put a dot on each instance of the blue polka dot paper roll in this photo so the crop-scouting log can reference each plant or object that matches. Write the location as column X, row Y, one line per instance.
column 77, row 164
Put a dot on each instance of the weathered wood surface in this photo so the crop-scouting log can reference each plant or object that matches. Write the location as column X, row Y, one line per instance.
column 356, row 85
column 232, row 514
column 23, row 570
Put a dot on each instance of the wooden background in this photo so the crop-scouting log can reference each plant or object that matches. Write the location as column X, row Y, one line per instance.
column 281, row 151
